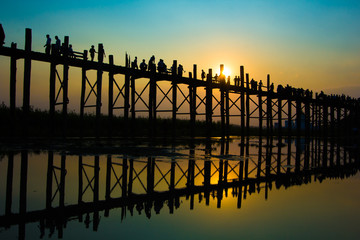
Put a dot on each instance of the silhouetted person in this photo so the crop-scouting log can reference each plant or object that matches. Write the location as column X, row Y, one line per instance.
column 101, row 53
column 202, row 75
column 71, row 52
column 143, row 65
column 180, row 70
column 152, row 65
column 260, row 85
column 2, row 36
column 216, row 78
column 47, row 45
column 134, row 64
column 92, row 52
column 161, row 66
column 57, row 45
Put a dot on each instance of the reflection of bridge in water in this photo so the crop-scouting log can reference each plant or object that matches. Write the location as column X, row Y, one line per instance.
column 148, row 184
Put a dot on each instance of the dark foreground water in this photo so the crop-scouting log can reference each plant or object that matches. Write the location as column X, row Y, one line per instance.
column 238, row 189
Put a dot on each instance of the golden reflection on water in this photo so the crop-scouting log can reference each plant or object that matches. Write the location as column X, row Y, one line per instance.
column 247, row 187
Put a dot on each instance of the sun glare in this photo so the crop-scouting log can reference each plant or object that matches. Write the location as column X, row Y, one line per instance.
column 227, row 72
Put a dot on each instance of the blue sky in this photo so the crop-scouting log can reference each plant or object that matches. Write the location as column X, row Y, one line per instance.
column 308, row 44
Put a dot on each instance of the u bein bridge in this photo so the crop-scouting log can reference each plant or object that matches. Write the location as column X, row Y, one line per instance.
column 148, row 184
column 273, row 112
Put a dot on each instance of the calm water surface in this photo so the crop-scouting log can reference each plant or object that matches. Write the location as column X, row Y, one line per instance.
column 237, row 189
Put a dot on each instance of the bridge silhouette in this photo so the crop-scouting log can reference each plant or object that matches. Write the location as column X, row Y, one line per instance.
column 148, row 184
column 254, row 102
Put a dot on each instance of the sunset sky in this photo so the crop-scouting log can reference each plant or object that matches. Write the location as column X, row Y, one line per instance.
column 305, row 43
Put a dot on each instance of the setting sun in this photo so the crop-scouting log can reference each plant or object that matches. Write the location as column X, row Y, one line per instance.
column 226, row 72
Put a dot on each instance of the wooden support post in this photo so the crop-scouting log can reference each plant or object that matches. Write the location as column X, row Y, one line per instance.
column 108, row 177
column 111, row 87
column 83, row 89
column 338, row 119
column 111, row 96
column 62, row 181
column 80, row 185
column 209, row 103
column 65, row 85
column 307, row 116
column 325, row 118
column 27, row 76
column 9, row 183
column 269, row 116
column 172, row 175
column 298, row 116
column 332, row 118
column 227, row 109
column 289, row 117
column 192, row 93
column 133, row 94
column 13, row 81
column 127, row 96
column 23, row 181
column 247, row 108
column 222, row 101
column 99, row 87
column 242, row 103
column 124, row 177
column 279, row 115
column 96, row 178
column 174, row 98
column 49, row 180
column 260, row 113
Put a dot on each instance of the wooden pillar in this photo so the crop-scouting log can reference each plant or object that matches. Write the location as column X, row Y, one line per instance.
column 289, row 117
column 108, row 177
column 247, row 108
column 269, row 117
column 111, row 87
column 133, row 93
column 222, row 101
column 13, row 81
column 325, row 118
column 49, row 181
column 172, row 175
column 80, row 184
column 62, row 181
column 332, row 118
column 9, row 183
column 23, row 181
column 298, row 116
column 127, row 95
column 242, row 99
column 307, row 116
column 83, row 89
column 280, row 115
column 209, row 103
column 174, row 98
column 124, row 177
column 111, row 96
column 99, row 87
column 192, row 93
column 96, row 178
column 27, row 76
column 227, row 109
column 260, row 113
column 65, row 86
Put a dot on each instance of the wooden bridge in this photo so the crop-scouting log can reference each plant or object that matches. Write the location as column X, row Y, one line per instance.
column 245, row 101
column 105, row 182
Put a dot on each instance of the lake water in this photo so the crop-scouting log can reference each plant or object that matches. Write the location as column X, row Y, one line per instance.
column 136, row 189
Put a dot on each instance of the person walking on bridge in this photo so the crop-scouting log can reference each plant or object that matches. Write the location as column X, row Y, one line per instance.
column 92, row 52
column 47, row 45
column 143, row 65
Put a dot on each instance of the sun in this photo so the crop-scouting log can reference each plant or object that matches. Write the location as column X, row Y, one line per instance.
column 227, row 72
